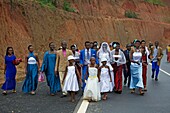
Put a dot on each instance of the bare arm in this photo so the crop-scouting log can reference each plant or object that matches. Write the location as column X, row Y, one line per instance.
column 98, row 74
column 78, row 74
column 4, row 68
column 26, row 62
column 57, row 63
column 109, row 74
column 38, row 62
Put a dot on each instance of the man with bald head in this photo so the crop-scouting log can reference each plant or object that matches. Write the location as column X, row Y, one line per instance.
column 63, row 53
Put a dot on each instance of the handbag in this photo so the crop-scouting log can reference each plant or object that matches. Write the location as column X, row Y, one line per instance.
column 41, row 77
column 17, row 61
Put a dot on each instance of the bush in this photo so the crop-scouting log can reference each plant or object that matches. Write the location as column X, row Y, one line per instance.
column 131, row 14
column 47, row 3
column 67, row 7
column 155, row 2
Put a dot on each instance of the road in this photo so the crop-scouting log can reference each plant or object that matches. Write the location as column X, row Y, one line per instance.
column 155, row 100
column 42, row 102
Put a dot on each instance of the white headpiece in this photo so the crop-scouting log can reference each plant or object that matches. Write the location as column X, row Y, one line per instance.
column 70, row 58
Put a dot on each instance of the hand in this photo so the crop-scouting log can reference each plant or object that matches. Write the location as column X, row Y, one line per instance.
column 80, row 81
column 56, row 73
column 25, row 72
column 145, row 64
column 126, row 69
column 81, row 65
column 159, row 58
column 110, row 80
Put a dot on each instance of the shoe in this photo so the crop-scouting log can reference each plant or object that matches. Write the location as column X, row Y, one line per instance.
column 156, row 79
column 33, row 93
column 52, row 94
column 152, row 76
column 119, row 92
column 4, row 92
column 63, row 96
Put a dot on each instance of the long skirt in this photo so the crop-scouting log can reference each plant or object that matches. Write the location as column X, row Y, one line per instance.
column 31, row 80
column 10, row 82
column 136, row 76
column 118, row 77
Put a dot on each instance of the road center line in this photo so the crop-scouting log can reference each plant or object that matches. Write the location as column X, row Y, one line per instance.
column 83, row 107
column 162, row 70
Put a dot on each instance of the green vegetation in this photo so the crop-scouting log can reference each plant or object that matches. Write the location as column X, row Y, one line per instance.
column 67, row 7
column 131, row 14
column 155, row 2
column 47, row 3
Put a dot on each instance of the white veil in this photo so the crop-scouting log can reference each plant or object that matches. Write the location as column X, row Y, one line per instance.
column 101, row 52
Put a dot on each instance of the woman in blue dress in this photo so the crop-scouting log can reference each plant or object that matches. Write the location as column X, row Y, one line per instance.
column 31, row 70
column 9, row 71
column 48, row 67
column 136, row 68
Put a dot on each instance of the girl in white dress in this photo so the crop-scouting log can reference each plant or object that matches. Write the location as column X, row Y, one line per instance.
column 70, row 81
column 104, row 78
column 92, row 89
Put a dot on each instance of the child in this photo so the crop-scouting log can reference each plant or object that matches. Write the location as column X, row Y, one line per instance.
column 92, row 88
column 105, row 78
column 70, row 81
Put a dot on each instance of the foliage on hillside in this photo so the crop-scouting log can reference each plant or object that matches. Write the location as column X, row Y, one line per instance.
column 155, row 2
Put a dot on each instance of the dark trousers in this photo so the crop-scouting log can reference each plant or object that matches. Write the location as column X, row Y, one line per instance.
column 127, row 74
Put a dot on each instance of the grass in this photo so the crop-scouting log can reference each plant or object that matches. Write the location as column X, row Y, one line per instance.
column 131, row 14
column 155, row 2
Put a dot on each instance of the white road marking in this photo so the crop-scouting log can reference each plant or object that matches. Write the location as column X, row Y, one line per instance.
column 162, row 70
column 83, row 107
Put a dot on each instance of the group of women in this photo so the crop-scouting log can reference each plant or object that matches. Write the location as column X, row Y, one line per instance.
column 108, row 56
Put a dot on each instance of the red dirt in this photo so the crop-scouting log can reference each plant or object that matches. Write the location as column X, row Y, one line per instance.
column 102, row 20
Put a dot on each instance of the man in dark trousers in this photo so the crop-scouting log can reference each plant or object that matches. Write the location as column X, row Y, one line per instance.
column 127, row 75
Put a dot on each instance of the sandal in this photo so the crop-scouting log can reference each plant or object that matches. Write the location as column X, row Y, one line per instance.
column 142, row 93
column 144, row 89
column 52, row 94
column 14, row 91
column 132, row 91
column 104, row 97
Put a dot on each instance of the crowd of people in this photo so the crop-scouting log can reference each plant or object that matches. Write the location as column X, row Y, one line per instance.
column 98, row 69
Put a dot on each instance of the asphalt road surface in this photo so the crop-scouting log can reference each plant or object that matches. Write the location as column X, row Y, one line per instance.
column 155, row 100
column 42, row 102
